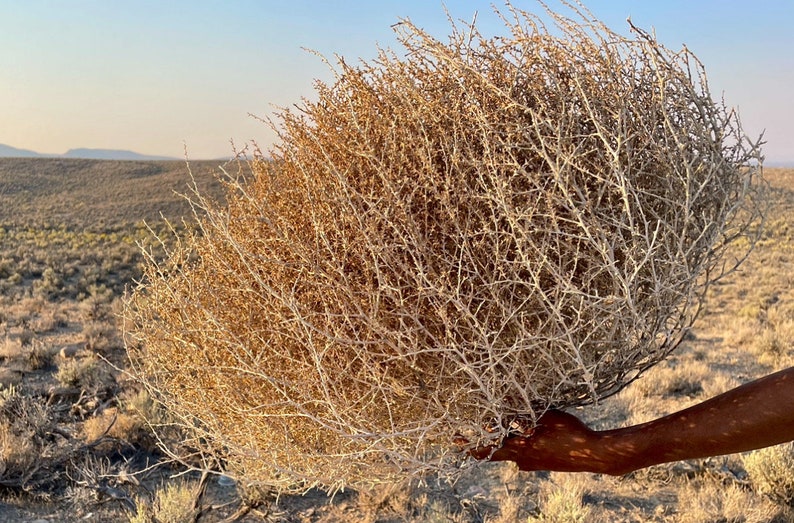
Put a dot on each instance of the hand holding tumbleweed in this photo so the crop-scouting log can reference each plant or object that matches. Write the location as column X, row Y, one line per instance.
column 559, row 441
column 755, row 415
column 454, row 239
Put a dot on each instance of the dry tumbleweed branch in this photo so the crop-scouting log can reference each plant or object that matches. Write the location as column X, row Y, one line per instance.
column 448, row 243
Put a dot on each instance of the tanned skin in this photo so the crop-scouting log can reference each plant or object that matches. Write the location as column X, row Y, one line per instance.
column 755, row 415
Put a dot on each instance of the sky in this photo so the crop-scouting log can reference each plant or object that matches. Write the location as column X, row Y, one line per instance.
column 164, row 77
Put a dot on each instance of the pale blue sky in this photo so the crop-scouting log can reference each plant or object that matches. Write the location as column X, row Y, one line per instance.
column 152, row 75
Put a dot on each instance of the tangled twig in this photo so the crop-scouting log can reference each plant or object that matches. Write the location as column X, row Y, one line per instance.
column 447, row 244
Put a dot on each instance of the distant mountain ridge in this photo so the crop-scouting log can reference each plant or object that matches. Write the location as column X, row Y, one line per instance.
column 6, row 151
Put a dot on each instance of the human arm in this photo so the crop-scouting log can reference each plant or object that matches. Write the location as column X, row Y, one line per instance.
column 755, row 415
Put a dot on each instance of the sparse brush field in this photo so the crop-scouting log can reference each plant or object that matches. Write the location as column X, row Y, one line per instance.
column 74, row 437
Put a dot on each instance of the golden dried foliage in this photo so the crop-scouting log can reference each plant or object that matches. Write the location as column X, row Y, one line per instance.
column 447, row 242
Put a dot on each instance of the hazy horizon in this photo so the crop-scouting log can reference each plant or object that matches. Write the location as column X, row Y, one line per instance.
column 161, row 78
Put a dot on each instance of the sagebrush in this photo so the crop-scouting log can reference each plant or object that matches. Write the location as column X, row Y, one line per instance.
column 444, row 244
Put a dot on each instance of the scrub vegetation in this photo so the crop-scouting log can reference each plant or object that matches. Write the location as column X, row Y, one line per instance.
column 76, row 443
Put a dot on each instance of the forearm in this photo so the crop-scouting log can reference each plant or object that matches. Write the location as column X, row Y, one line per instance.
column 755, row 415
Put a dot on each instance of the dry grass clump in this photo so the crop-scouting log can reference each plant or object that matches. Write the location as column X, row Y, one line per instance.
column 561, row 501
column 18, row 454
column 448, row 242
column 173, row 503
column 10, row 349
column 771, row 472
column 119, row 427
column 683, row 379
column 40, row 356
column 709, row 501
column 88, row 373
column 27, row 449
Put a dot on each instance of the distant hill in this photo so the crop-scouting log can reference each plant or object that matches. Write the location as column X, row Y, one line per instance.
column 99, row 194
column 110, row 154
column 6, row 151
column 778, row 163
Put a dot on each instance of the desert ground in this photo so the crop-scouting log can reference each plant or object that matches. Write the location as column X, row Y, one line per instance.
column 75, row 443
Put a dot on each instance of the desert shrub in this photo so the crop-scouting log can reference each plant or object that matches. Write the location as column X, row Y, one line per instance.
column 7, row 392
column 710, row 501
column 27, row 449
column 49, row 284
column 10, row 349
column 18, row 454
column 26, row 336
column 99, row 336
column 48, row 320
column 771, row 472
column 561, row 501
column 446, row 243
column 114, row 424
column 173, row 503
column 96, row 306
column 88, row 373
column 40, row 356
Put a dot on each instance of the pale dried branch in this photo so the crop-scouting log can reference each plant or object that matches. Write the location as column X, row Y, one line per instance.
column 448, row 243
